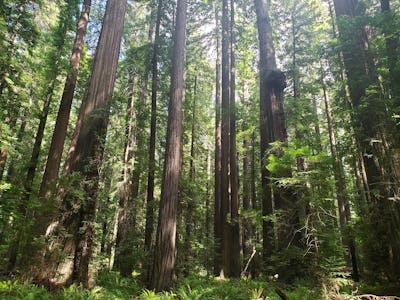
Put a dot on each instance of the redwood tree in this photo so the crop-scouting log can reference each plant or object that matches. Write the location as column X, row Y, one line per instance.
column 272, row 129
column 267, row 92
column 149, row 227
column 165, row 250
column 233, row 160
column 68, row 258
column 373, row 127
column 217, row 158
column 60, row 129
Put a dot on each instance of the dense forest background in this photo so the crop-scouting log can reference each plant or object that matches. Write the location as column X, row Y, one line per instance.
column 200, row 149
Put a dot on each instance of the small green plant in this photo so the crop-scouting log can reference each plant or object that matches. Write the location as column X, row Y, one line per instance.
column 16, row 290
column 256, row 294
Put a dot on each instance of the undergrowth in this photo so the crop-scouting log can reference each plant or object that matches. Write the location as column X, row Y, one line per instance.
column 112, row 286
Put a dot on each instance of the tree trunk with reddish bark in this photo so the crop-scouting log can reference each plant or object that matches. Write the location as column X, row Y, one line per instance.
column 374, row 126
column 273, row 128
column 149, row 226
column 165, row 250
column 68, row 258
column 61, row 126
column 233, row 164
column 217, row 155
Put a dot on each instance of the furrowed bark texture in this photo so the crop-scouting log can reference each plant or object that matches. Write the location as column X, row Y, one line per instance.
column 225, row 197
column 233, row 164
column 273, row 128
column 374, row 128
column 267, row 63
column 67, row 258
column 217, row 157
column 165, row 251
column 60, row 129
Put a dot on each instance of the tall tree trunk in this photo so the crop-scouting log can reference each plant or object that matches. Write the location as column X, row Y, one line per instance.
column 267, row 65
column 292, row 212
column 68, row 261
column 225, row 142
column 54, row 71
column 149, row 226
column 191, row 207
column 234, row 178
column 165, row 251
column 273, row 128
column 129, row 204
column 247, row 229
column 374, row 123
column 208, row 198
column 217, row 155
column 138, row 163
column 60, row 129
column 48, row 207
column 343, row 206
column 123, row 223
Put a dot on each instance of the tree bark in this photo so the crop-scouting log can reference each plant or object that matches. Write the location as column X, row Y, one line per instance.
column 267, row 63
column 191, row 207
column 124, row 217
column 149, row 226
column 61, row 126
column 233, row 164
column 165, row 251
column 248, row 232
column 374, row 122
column 217, row 155
column 343, row 206
column 273, row 128
column 67, row 258
column 54, row 71
column 225, row 142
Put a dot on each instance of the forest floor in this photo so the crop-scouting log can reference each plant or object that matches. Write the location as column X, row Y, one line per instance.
column 111, row 286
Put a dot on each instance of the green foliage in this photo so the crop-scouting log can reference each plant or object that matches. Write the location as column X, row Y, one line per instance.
column 34, row 51
column 14, row 289
column 110, row 285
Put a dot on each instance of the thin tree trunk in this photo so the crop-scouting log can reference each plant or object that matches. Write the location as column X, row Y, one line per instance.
column 76, row 217
column 39, row 138
column 123, row 223
column 61, row 126
column 129, row 204
column 34, row 160
column 247, row 234
column 165, row 251
column 208, row 198
column 234, row 178
column 191, row 208
column 217, row 158
column 350, row 257
column 138, row 164
column 149, row 226
column 317, row 129
column 225, row 143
